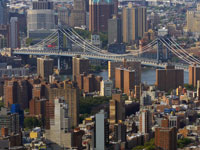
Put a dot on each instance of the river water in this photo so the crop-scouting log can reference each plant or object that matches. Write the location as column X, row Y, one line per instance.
column 148, row 75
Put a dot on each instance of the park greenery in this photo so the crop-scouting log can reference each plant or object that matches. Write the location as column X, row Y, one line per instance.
column 89, row 103
column 183, row 142
column 32, row 122
column 147, row 146
column 1, row 104
column 29, row 41
column 189, row 87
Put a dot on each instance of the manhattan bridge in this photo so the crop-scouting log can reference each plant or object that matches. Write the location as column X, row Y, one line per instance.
column 165, row 47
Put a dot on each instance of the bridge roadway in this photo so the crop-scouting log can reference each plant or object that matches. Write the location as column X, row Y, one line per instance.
column 144, row 61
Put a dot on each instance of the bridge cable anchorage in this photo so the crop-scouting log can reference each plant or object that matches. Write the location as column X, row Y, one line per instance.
column 183, row 50
column 183, row 55
column 96, row 48
column 44, row 40
column 174, row 51
column 111, row 54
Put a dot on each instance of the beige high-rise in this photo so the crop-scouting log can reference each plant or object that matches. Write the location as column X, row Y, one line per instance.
column 44, row 67
column 117, row 109
column 134, row 22
column 193, row 20
column 80, row 66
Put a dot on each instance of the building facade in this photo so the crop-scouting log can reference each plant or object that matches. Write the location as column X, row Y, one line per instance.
column 45, row 67
column 114, row 30
column 99, row 13
column 14, row 41
column 134, row 22
column 80, row 66
column 166, row 138
column 169, row 78
column 194, row 75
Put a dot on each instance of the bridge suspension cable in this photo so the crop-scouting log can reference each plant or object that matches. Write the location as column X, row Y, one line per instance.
column 78, row 43
column 186, row 53
column 98, row 49
column 174, row 51
column 93, row 48
column 41, row 43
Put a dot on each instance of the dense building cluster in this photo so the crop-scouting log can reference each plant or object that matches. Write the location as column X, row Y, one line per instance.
column 54, row 100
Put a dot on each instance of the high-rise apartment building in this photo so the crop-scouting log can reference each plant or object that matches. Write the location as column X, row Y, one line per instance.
column 88, row 83
column 101, row 131
column 10, row 121
column 3, row 13
column 45, row 67
column 42, row 4
column 106, row 88
column 41, row 16
column 198, row 89
column 117, row 109
column 14, row 33
column 114, row 30
column 80, row 66
column 193, row 20
column 126, row 64
column 71, row 93
column 78, row 14
column 145, row 120
column 166, row 138
column 169, row 78
column 59, row 132
column 134, row 22
column 37, row 107
column 72, row 97
column 116, row 7
column 125, row 80
column 120, row 132
column 194, row 75
column 129, row 81
column 99, row 13
column 119, row 78
column 10, row 93
column 16, row 92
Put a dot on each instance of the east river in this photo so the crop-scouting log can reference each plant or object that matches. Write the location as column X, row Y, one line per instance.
column 148, row 75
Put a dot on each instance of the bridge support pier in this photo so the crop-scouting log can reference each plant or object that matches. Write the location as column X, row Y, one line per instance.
column 59, row 64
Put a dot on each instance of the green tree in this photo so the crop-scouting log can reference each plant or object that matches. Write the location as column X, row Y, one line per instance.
column 31, row 122
column 83, row 33
column 1, row 104
column 189, row 87
column 104, row 39
column 183, row 142
column 88, row 103
column 147, row 146
column 29, row 41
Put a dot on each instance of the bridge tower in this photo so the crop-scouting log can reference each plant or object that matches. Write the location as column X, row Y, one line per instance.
column 63, row 45
column 60, row 40
column 161, row 55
